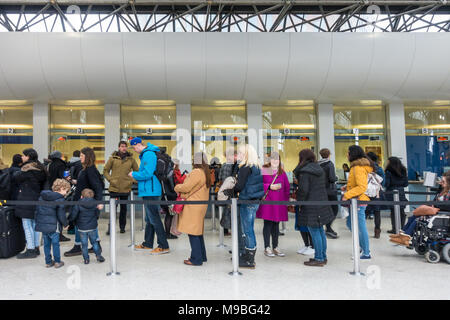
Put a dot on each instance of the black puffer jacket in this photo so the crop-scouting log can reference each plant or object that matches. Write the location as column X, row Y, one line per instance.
column 85, row 215
column 56, row 170
column 330, row 176
column 49, row 216
column 89, row 178
column 311, row 187
column 393, row 181
column 30, row 179
column 14, row 185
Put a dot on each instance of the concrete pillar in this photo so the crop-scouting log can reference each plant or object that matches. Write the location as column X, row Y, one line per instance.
column 183, row 150
column 112, row 128
column 325, row 128
column 41, row 139
column 254, row 131
column 396, row 133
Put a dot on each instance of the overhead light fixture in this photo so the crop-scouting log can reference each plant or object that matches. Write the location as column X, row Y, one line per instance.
column 369, row 126
column 76, row 126
column 298, row 126
column 16, row 126
column 153, row 126
column 228, row 126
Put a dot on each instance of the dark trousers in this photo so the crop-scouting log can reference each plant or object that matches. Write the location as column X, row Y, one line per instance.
column 307, row 239
column 123, row 208
column 198, row 250
column 154, row 225
column 377, row 216
column 167, row 219
column 271, row 228
column 402, row 218
column 335, row 209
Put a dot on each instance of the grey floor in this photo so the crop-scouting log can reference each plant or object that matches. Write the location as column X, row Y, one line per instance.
column 393, row 273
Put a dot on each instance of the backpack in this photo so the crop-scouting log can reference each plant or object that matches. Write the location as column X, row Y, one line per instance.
column 5, row 184
column 373, row 185
column 164, row 166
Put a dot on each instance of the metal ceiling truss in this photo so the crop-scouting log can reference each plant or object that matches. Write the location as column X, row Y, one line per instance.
column 226, row 16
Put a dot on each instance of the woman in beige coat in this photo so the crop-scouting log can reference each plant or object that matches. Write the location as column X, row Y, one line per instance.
column 191, row 221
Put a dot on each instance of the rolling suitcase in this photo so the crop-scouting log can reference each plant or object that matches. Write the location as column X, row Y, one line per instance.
column 12, row 236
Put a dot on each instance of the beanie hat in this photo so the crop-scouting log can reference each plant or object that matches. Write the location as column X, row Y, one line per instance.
column 135, row 141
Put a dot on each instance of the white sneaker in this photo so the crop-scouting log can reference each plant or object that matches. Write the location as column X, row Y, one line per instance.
column 278, row 252
column 309, row 251
column 268, row 252
column 301, row 250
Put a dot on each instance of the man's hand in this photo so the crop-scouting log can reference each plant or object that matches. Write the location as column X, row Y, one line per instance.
column 130, row 174
column 100, row 207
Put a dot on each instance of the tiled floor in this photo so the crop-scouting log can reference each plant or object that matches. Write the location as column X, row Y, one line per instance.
column 394, row 273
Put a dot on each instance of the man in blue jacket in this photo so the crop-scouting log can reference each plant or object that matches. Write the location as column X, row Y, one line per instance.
column 149, row 188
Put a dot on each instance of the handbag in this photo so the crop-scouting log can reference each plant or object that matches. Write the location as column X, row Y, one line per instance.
column 343, row 213
column 178, row 208
column 268, row 189
column 173, row 226
column 170, row 206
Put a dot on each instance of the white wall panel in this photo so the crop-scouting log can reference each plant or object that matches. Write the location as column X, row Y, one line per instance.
column 62, row 65
column 103, row 64
column 309, row 60
column 186, row 68
column 268, row 55
column 145, row 65
column 350, row 61
column 226, row 65
column 21, row 65
column 392, row 59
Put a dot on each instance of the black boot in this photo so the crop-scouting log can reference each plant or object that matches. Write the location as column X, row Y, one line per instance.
column 28, row 254
column 75, row 251
column 248, row 259
column 62, row 238
column 37, row 251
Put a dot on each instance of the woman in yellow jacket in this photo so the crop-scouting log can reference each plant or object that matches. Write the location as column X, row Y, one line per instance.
column 360, row 167
column 191, row 221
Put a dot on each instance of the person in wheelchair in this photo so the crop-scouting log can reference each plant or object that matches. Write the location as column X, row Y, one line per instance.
column 405, row 235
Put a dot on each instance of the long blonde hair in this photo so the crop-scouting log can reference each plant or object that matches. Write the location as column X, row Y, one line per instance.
column 250, row 156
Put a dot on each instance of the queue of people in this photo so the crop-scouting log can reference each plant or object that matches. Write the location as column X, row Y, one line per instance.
column 158, row 177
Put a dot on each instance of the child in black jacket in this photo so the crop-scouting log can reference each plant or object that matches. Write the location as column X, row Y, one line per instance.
column 85, row 217
column 49, row 217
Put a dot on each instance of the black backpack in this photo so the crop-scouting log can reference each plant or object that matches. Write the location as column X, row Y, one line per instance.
column 5, row 184
column 164, row 166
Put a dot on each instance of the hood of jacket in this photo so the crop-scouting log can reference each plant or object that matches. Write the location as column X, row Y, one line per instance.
column 88, row 203
column 363, row 162
column 30, row 166
column 150, row 147
column 74, row 159
column 311, row 168
column 322, row 161
column 48, row 195
column 116, row 155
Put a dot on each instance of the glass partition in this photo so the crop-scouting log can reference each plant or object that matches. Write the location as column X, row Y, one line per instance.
column 78, row 126
column 361, row 125
column 152, row 123
column 16, row 130
column 217, row 126
column 288, row 129
column 427, row 139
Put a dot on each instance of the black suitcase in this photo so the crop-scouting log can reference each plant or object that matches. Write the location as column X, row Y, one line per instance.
column 12, row 236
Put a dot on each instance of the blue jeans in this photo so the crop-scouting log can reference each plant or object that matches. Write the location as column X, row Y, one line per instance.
column 362, row 228
column 247, row 216
column 31, row 236
column 78, row 239
column 154, row 225
column 410, row 226
column 92, row 237
column 320, row 243
column 51, row 240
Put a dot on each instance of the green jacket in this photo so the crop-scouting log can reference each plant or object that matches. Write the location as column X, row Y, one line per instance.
column 116, row 172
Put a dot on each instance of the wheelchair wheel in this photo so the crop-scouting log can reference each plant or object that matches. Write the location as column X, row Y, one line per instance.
column 432, row 256
column 446, row 252
column 421, row 249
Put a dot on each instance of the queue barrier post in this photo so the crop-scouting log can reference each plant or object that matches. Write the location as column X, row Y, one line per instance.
column 132, row 221
column 428, row 194
column 221, row 230
column 234, row 238
column 213, row 213
column 112, row 235
column 355, row 237
column 397, row 212
column 143, row 218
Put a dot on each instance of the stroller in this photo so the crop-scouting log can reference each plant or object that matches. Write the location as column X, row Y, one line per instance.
column 431, row 237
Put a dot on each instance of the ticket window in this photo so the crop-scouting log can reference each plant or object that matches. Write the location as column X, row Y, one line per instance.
column 427, row 139
column 16, row 131
column 75, row 127
column 217, row 127
column 287, row 129
column 152, row 123
column 359, row 125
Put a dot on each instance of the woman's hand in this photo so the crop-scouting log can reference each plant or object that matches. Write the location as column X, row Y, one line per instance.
column 275, row 187
column 344, row 188
column 100, row 207
column 344, row 198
